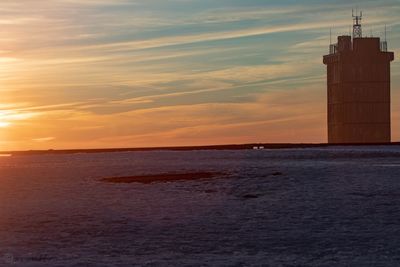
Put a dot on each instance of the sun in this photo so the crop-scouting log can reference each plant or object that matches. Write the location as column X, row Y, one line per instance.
column 4, row 124
column 4, row 121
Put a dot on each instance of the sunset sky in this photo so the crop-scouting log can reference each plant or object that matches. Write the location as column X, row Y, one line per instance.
column 133, row 73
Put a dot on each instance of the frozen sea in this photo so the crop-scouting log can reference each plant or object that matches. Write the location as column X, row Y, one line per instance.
column 336, row 206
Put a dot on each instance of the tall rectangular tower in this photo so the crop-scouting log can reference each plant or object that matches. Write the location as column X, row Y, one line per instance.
column 358, row 78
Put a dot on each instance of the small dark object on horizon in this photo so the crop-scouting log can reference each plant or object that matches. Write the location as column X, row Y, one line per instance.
column 277, row 173
column 167, row 177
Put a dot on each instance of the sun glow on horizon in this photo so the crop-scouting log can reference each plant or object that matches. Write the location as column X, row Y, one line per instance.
column 4, row 124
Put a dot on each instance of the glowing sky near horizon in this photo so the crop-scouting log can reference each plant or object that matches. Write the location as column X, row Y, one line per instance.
column 119, row 73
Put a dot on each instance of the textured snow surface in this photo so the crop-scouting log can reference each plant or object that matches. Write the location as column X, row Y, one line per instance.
column 294, row 207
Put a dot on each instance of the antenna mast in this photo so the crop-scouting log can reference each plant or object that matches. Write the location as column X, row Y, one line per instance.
column 385, row 33
column 357, row 31
column 384, row 46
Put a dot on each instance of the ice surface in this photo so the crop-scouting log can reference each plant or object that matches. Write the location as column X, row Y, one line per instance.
column 294, row 207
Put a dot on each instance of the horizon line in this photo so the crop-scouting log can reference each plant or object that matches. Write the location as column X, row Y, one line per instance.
column 245, row 146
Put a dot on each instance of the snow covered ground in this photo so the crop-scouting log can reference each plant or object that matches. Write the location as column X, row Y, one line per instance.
column 293, row 207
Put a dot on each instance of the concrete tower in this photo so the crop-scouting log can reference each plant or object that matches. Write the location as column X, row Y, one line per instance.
column 358, row 81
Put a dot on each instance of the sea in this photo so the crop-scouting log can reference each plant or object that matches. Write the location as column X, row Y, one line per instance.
column 331, row 206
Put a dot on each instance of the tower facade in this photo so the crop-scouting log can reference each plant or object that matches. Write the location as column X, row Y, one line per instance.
column 358, row 78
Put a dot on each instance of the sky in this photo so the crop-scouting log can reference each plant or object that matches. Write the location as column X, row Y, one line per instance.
column 135, row 73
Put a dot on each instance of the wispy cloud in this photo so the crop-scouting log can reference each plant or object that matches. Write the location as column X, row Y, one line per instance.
column 43, row 139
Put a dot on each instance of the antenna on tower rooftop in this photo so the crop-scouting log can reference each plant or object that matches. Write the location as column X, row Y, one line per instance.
column 357, row 17
column 385, row 33
column 384, row 46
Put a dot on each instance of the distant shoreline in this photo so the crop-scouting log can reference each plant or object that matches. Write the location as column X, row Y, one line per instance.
column 192, row 148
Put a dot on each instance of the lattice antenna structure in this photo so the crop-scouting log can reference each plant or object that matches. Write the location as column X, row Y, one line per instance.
column 357, row 30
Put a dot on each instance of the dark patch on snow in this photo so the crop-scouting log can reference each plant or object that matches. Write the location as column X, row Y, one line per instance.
column 210, row 191
column 250, row 196
column 167, row 177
